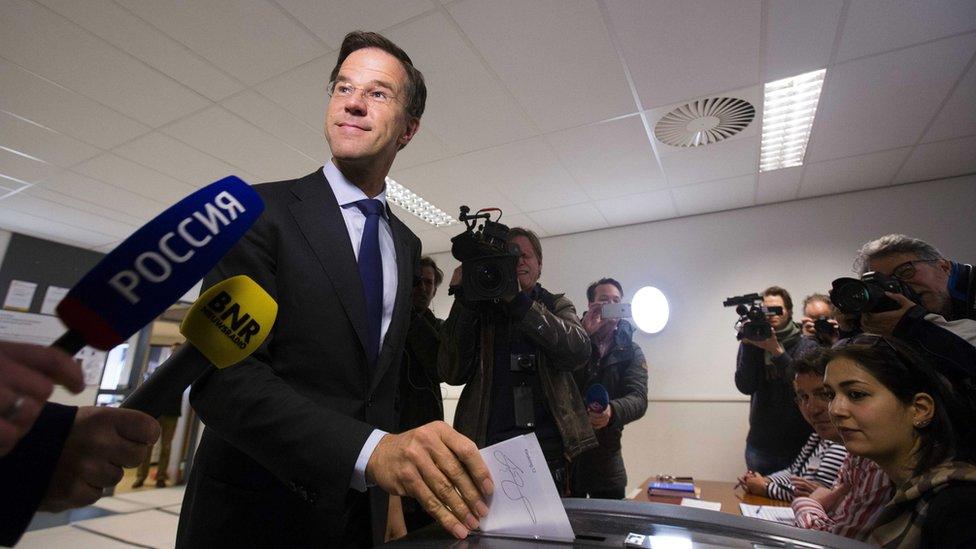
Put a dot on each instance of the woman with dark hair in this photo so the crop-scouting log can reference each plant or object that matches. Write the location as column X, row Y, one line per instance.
column 891, row 406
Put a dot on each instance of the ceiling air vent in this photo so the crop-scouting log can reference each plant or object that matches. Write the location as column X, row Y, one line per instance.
column 704, row 121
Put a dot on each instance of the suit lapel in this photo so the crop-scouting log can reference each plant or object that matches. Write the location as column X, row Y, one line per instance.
column 320, row 221
column 401, row 303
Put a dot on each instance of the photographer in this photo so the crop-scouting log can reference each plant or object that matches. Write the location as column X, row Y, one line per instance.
column 764, row 371
column 943, row 321
column 617, row 369
column 818, row 320
column 516, row 356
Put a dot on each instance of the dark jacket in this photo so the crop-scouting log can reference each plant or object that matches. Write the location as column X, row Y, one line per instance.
column 623, row 371
column 775, row 423
column 419, row 400
column 962, row 291
column 467, row 356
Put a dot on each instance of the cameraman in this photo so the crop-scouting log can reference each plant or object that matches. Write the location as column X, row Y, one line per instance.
column 764, row 370
column 616, row 363
column 516, row 358
column 944, row 322
column 818, row 320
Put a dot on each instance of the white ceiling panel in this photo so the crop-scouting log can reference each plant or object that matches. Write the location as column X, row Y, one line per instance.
column 683, row 50
column 135, row 178
column 219, row 133
column 799, row 36
column 609, row 159
column 561, row 83
column 517, row 220
column 122, row 29
column 275, row 120
column 35, row 201
column 637, row 208
column 43, row 226
column 687, row 165
column 252, row 40
column 461, row 94
column 713, row 196
column 436, row 241
column 958, row 117
column 884, row 102
column 851, row 174
column 423, row 148
column 25, row 168
column 43, row 143
column 450, row 183
column 48, row 104
column 49, row 45
column 570, row 219
column 7, row 185
column 778, row 185
column 412, row 222
column 107, row 200
column 878, row 25
column 330, row 21
column 302, row 90
column 179, row 160
column 937, row 160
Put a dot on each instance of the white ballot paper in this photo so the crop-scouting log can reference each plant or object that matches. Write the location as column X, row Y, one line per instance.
column 525, row 503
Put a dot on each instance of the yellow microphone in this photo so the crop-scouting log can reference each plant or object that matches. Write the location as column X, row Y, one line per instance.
column 224, row 326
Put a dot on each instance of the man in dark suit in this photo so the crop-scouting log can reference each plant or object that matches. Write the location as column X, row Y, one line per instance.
column 297, row 450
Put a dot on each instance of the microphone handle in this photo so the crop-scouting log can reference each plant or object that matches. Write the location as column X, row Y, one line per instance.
column 168, row 382
column 70, row 342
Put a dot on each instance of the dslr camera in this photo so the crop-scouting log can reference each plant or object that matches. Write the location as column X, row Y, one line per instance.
column 867, row 295
column 487, row 260
column 753, row 322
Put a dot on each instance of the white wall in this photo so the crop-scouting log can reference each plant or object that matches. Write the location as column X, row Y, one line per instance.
column 696, row 421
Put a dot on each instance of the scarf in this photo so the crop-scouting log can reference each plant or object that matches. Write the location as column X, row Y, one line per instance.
column 787, row 337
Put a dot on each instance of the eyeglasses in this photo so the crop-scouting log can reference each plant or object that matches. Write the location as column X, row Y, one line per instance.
column 373, row 94
column 906, row 270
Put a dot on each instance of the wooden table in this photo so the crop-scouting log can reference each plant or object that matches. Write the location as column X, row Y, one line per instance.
column 723, row 492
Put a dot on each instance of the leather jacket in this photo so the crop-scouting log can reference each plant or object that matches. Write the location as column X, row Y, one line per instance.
column 467, row 354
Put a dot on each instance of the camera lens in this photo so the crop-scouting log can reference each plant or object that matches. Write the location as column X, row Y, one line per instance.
column 853, row 297
column 489, row 277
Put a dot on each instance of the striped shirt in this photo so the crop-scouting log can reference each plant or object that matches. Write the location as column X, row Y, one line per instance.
column 868, row 490
column 818, row 460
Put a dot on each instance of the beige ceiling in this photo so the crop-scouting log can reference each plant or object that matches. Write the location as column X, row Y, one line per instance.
column 110, row 110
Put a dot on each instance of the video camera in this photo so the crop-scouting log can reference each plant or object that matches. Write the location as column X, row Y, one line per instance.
column 753, row 322
column 487, row 260
column 867, row 295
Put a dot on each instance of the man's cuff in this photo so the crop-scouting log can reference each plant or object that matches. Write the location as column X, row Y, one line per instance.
column 359, row 474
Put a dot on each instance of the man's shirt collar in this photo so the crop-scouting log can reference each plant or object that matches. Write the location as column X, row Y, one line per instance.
column 345, row 192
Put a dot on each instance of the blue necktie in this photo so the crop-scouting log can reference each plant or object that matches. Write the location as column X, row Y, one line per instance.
column 371, row 273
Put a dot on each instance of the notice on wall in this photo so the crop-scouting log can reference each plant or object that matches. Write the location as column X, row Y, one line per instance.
column 52, row 297
column 19, row 295
column 43, row 330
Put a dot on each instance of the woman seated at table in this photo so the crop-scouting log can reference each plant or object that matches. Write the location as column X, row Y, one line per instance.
column 891, row 406
column 820, row 459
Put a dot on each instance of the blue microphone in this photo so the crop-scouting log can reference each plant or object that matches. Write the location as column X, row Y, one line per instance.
column 597, row 398
column 155, row 266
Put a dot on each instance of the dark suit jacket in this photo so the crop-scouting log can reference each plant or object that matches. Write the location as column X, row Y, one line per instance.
column 285, row 426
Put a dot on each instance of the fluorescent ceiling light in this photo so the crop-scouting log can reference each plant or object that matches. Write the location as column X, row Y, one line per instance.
column 409, row 201
column 789, row 106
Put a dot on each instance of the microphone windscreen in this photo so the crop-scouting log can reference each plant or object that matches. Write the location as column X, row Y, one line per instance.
column 159, row 263
column 230, row 320
column 597, row 397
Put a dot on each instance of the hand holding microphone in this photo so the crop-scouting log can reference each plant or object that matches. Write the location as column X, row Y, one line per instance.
column 598, row 407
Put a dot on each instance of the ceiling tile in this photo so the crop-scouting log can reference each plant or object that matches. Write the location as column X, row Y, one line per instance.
column 450, row 183
column 80, row 191
column 610, row 158
column 43, row 143
column 939, row 160
column 179, row 160
column 467, row 108
column 799, row 36
column 423, row 148
column 24, row 168
column 219, row 133
column 135, row 178
column 687, row 165
column 884, row 102
column 570, row 219
column 874, row 26
column 714, row 196
column 683, row 50
column 275, row 120
column 127, row 32
column 252, row 40
column 958, row 117
column 330, row 21
column 42, row 226
column 520, row 220
column 49, row 45
column 561, row 83
column 435, row 241
column 7, row 185
column 637, row 208
column 302, row 90
column 778, row 185
column 44, row 102
column 38, row 203
column 412, row 222
column 851, row 174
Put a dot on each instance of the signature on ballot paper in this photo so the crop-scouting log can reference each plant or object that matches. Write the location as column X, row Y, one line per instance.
column 513, row 488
